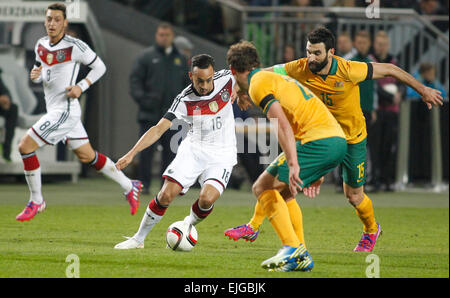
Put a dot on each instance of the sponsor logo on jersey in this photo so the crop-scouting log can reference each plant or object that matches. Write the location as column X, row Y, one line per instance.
column 213, row 106
column 49, row 58
column 225, row 95
column 60, row 56
column 54, row 57
column 339, row 84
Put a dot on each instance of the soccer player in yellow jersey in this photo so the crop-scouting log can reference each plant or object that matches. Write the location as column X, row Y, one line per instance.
column 335, row 81
column 313, row 144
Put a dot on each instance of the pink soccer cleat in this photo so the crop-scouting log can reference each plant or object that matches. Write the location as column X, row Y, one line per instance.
column 133, row 196
column 368, row 241
column 30, row 211
column 244, row 231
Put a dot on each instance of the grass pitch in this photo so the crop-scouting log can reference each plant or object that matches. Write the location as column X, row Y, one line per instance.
column 87, row 219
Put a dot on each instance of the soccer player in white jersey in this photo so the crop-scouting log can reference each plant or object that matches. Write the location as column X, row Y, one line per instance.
column 207, row 154
column 58, row 59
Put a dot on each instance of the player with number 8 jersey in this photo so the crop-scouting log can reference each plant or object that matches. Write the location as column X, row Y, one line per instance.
column 206, row 155
column 58, row 60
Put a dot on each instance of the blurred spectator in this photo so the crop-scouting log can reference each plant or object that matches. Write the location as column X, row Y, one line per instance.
column 420, row 123
column 396, row 4
column 157, row 76
column 307, row 3
column 386, row 127
column 431, row 7
column 434, row 7
column 344, row 46
column 9, row 111
column 362, row 44
column 289, row 53
column 185, row 46
column 427, row 76
column 345, row 3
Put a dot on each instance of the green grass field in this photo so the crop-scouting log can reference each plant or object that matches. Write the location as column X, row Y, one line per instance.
column 89, row 218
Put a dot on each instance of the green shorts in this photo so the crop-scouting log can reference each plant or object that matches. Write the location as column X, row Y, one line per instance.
column 354, row 164
column 316, row 158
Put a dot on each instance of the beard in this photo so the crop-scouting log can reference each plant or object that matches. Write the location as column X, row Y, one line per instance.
column 316, row 67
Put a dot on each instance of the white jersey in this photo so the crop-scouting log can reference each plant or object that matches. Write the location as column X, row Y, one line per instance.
column 60, row 66
column 211, row 118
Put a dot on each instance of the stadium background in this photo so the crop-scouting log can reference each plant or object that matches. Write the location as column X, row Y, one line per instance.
column 110, row 112
column 119, row 30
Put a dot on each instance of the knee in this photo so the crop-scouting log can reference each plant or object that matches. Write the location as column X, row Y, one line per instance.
column 85, row 158
column 206, row 201
column 354, row 198
column 24, row 147
column 257, row 189
column 165, row 197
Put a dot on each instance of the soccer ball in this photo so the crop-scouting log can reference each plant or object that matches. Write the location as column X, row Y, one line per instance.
column 181, row 236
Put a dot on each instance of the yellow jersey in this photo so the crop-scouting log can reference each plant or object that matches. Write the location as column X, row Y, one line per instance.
column 339, row 90
column 309, row 118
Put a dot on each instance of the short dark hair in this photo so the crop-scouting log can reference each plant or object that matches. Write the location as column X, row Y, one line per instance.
column 164, row 25
column 243, row 56
column 58, row 6
column 364, row 34
column 324, row 35
column 202, row 61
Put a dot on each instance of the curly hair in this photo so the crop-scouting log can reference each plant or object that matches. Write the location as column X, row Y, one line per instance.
column 324, row 35
column 243, row 56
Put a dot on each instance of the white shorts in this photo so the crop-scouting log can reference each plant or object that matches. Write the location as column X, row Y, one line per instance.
column 59, row 125
column 190, row 165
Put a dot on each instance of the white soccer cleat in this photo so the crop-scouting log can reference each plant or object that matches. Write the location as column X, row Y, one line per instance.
column 130, row 243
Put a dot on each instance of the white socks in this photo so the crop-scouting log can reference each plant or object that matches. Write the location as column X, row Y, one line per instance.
column 149, row 220
column 33, row 179
column 110, row 171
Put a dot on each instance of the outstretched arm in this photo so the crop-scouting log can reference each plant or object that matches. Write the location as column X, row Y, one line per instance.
column 149, row 138
column 429, row 95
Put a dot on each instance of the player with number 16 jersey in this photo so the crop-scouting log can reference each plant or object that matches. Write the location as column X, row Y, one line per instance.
column 206, row 155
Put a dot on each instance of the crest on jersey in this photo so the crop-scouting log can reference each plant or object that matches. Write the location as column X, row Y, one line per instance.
column 213, row 106
column 177, row 61
column 225, row 96
column 60, row 56
column 49, row 58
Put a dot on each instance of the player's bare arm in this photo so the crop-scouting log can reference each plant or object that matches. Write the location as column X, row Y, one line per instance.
column 287, row 142
column 149, row 138
column 429, row 95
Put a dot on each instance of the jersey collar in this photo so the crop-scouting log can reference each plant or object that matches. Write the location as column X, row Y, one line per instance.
column 333, row 68
column 54, row 44
column 252, row 73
